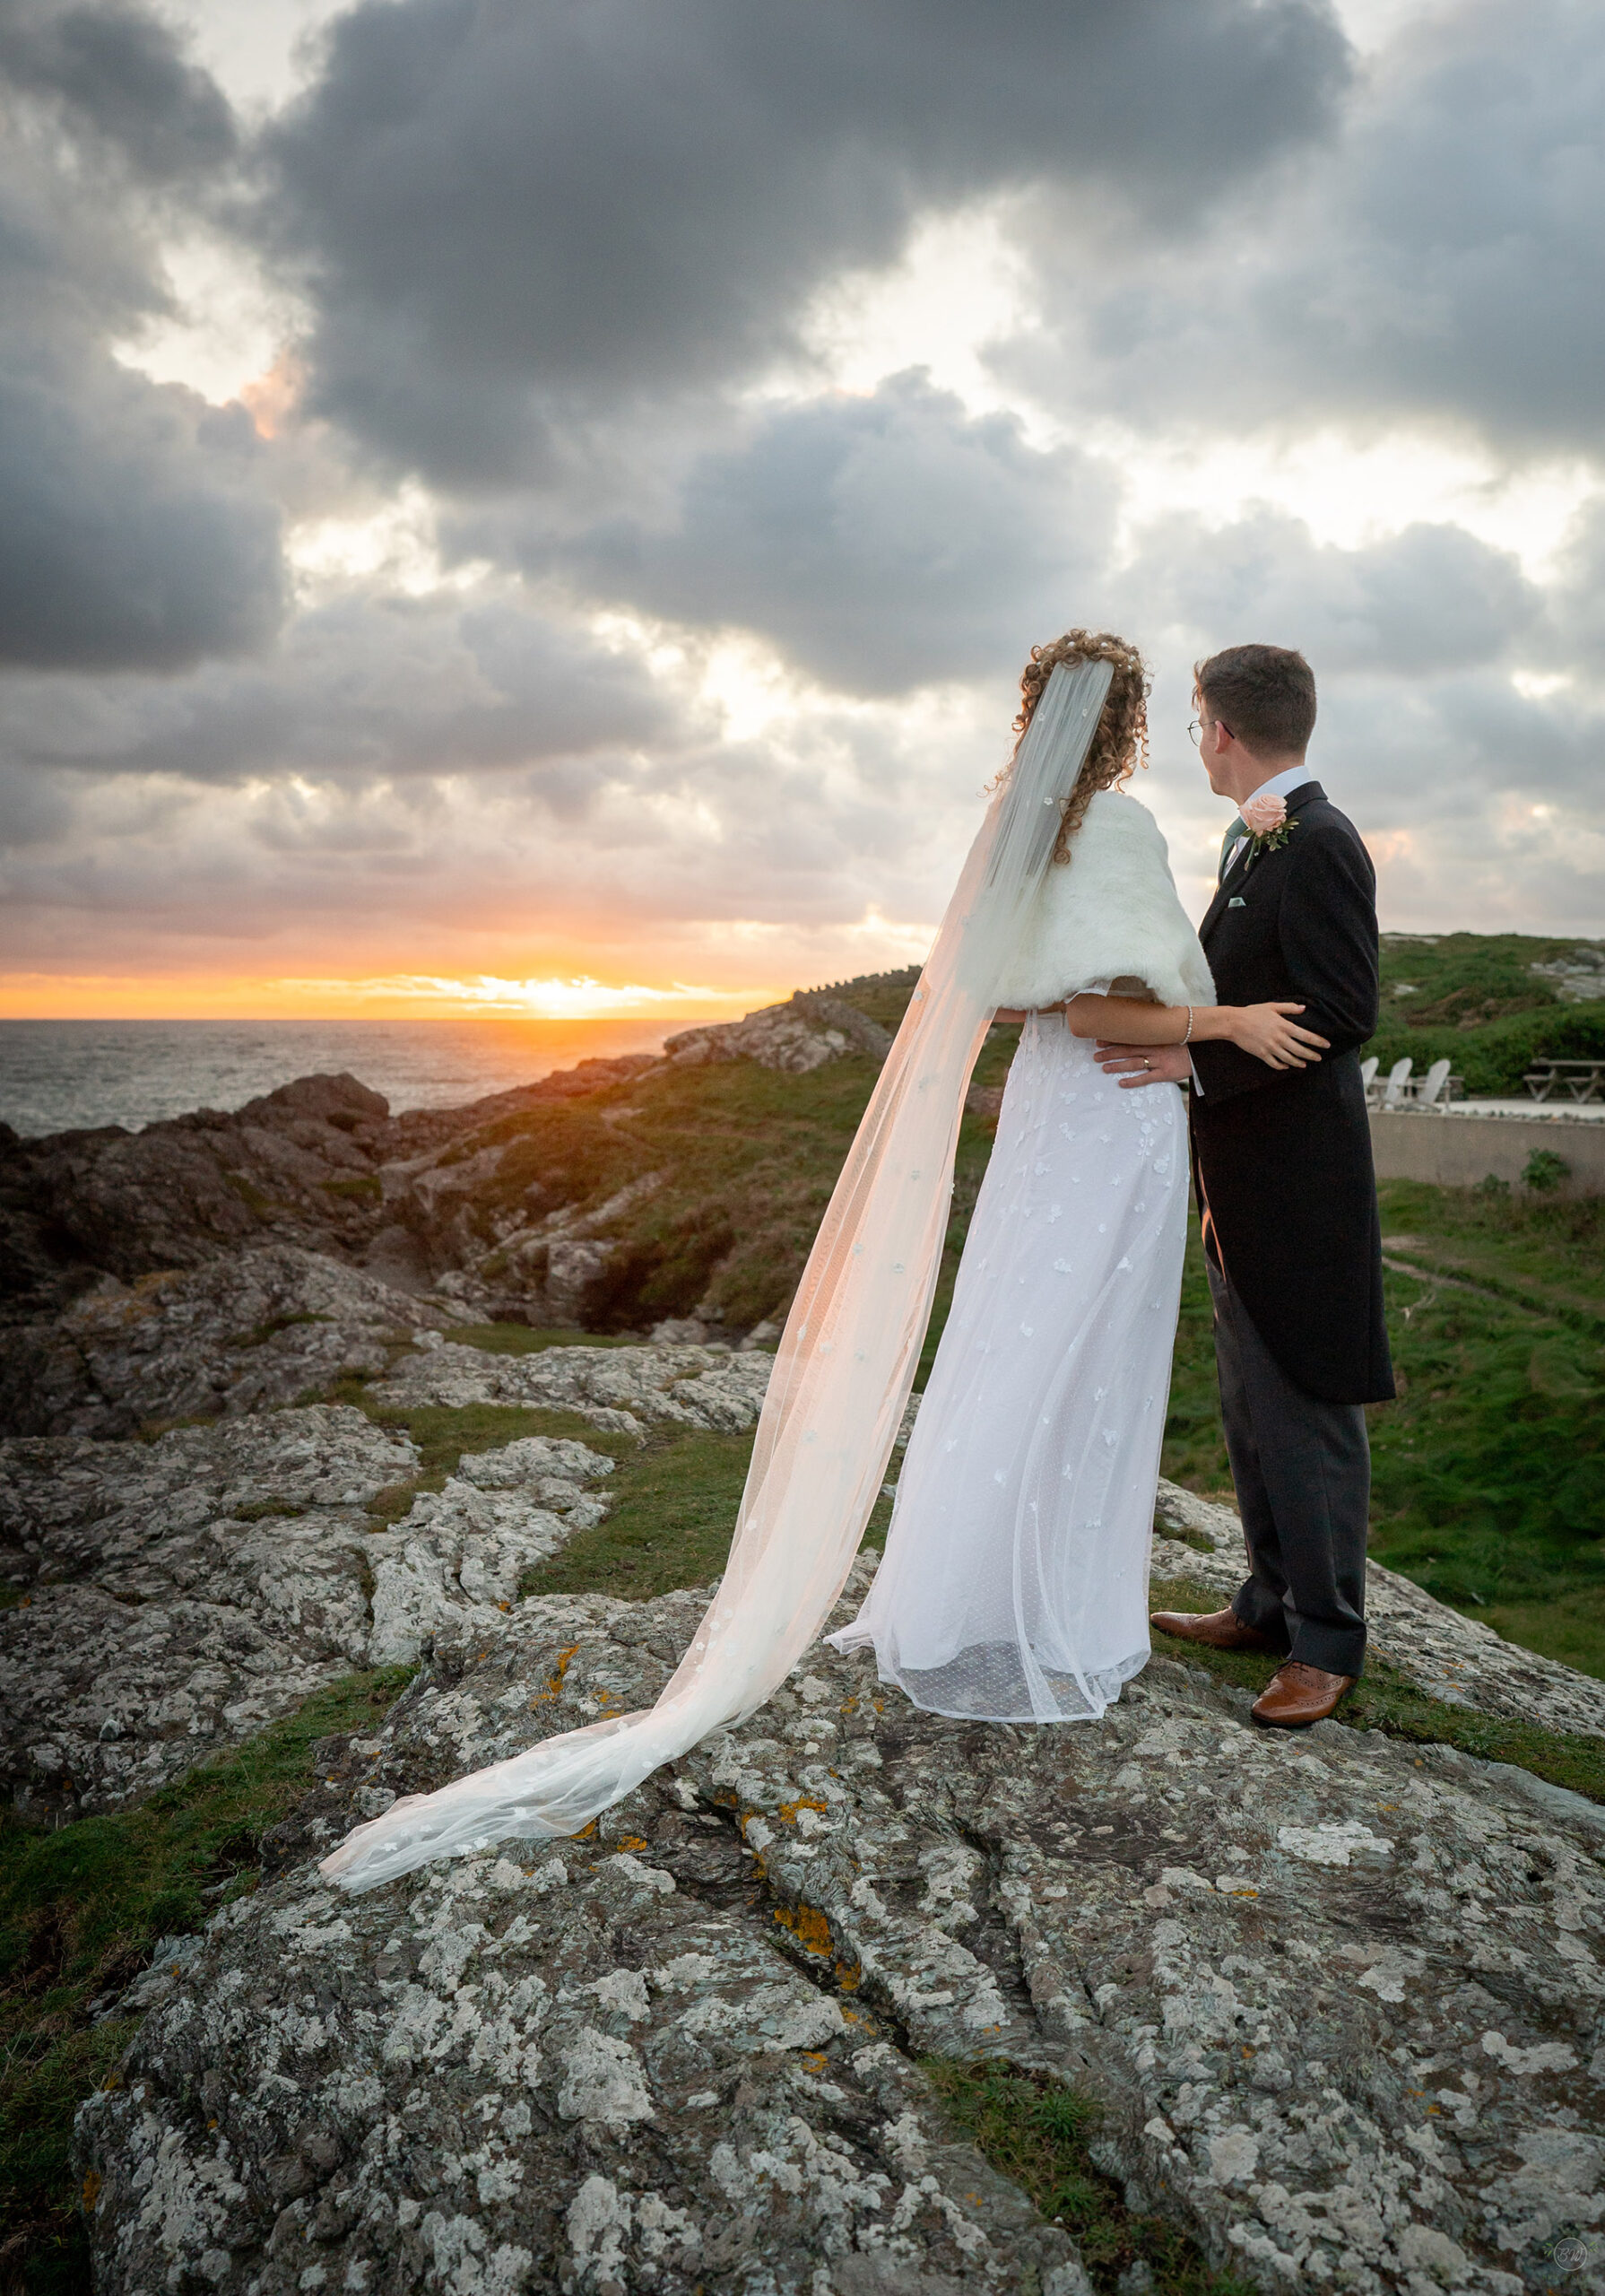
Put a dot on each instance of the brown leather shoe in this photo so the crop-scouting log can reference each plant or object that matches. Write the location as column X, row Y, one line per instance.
column 1297, row 1695
column 1220, row 1630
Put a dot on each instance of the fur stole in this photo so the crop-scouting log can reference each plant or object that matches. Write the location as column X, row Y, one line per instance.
column 1109, row 913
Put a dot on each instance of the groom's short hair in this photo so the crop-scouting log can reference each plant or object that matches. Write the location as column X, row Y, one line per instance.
column 1266, row 694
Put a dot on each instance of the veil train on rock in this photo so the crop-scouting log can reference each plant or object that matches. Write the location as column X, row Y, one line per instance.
column 843, row 1369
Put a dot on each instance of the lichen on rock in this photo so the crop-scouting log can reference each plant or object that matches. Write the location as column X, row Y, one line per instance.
column 182, row 1594
column 1340, row 1998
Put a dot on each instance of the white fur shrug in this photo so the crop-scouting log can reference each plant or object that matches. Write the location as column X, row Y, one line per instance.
column 1108, row 913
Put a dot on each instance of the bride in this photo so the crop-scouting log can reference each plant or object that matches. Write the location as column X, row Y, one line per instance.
column 1013, row 1583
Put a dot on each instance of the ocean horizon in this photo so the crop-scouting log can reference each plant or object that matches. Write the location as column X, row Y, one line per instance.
column 71, row 1075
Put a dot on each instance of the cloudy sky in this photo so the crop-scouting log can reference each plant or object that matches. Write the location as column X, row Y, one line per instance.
column 497, row 494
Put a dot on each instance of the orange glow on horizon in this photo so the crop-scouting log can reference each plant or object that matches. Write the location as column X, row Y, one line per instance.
column 392, row 997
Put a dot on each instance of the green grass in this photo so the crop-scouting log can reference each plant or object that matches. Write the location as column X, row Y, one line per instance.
column 524, row 1339
column 671, row 1510
column 1467, row 981
column 363, row 1187
column 1383, row 1700
column 80, row 1910
column 1473, row 998
column 1488, row 1478
column 1549, row 1253
column 1038, row 2133
column 444, row 1434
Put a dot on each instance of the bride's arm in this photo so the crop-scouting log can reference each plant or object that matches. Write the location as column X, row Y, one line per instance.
column 1266, row 1031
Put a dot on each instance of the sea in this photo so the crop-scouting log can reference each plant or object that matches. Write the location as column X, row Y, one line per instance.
column 59, row 1075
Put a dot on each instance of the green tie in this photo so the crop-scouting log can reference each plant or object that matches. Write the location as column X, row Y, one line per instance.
column 1237, row 828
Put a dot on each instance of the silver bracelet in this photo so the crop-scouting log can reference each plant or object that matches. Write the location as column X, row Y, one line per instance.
column 1188, row 1037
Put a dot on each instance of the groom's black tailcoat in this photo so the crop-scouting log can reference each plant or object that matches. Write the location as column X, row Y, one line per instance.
column 1282, row 1158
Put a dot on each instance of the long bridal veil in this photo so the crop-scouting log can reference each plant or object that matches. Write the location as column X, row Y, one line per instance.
column 842, row 1369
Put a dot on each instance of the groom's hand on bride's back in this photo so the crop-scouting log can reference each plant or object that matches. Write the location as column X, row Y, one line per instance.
column 1138, row 1064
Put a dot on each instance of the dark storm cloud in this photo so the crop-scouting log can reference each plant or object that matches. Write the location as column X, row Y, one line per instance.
column 361, row 691
column 1440, row 260
column 119, row 78
column 505, row 207
column 130, row 535
column 1417, row 604
column 134, row 527
column 879, row 542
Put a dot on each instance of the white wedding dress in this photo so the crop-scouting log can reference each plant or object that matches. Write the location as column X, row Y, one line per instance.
column 1015, row 1582
column 845, row 1360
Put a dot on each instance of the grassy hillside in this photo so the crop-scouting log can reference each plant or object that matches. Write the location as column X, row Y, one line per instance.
column 1488, row 1488
column 1475, row 999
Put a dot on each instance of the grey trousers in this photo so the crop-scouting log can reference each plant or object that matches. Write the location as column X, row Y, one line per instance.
column 1302, row 1470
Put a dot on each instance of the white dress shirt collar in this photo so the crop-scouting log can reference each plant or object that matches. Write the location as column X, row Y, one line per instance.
column 1283, row 784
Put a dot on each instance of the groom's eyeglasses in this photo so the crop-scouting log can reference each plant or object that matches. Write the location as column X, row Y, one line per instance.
column 1196, row 728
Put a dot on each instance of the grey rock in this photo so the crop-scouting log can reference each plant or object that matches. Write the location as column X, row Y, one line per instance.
column 798, row 1036
column 265, row 1326
column 1342, row 2005
column 182, row 1594
column 1578, row 978
column 319, row 1164
column 709, row 1387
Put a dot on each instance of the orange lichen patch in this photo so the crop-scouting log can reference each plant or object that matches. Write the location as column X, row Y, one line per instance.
column 787, row 1811
column 554, row 1686
column 92, row 2183
column 631, row 1841
column 585, row 1833
column 809, row 1926
column 850, row 1708
column 816, row 2057
column 849, row 1976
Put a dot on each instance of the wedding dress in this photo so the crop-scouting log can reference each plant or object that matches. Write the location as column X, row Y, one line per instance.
column 1015, row 1582
column 844, row 1365
column 1014, row 1586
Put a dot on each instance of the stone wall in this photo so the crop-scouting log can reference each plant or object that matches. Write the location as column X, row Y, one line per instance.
column 1459, row 1151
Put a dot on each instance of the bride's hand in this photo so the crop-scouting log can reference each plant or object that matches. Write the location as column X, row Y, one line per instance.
column 1266, row 1031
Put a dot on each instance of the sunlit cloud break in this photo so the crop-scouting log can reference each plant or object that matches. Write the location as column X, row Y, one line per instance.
column 578, row 998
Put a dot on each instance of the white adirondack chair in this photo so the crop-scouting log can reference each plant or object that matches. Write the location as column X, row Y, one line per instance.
column 1398, row 1079
column 1368, row 1077
column 1429, row 1095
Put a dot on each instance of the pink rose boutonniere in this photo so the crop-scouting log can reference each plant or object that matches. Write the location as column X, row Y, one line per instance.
column 1265, row 818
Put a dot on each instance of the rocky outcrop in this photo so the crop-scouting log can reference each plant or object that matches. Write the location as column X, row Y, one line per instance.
column 263, row 1327
column 802, row 1034
column 1340, row 1997
column 178, row 1596
column 303, row 1165
column 709, row 1386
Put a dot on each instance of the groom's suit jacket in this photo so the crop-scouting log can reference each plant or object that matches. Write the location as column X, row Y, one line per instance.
column 1281, row 1159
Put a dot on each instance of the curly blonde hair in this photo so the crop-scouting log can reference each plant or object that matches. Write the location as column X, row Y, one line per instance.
column 1120, row 745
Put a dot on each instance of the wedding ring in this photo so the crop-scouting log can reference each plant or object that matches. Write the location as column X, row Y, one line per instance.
column 1148, row 1063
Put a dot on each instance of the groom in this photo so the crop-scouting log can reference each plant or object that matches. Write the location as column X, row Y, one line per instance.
column 1282, row 1163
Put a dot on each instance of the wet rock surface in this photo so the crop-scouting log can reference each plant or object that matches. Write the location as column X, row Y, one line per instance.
column 1340, row 1997
column 181, row 1594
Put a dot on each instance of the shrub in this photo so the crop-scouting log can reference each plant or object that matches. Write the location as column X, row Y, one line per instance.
column 1545, row 1170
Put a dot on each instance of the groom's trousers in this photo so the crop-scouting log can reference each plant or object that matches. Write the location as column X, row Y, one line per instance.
column 1302, row 1470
